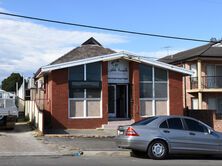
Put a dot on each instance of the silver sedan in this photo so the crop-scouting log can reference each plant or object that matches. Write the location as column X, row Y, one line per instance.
column 160, row 136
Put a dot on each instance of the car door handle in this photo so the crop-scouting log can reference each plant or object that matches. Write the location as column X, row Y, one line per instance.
column 166, row 131
column 192, row 133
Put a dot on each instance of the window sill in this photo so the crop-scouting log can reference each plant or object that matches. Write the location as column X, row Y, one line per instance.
column 92, row 117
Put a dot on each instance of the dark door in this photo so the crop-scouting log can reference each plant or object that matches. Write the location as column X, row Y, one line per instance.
column 121, row 101
column 112, row 100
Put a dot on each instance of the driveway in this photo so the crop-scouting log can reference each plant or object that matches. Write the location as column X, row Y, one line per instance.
column 21, row 142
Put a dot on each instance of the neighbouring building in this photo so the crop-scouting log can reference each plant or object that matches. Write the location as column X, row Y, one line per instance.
column 202, row 90
column 91, row 85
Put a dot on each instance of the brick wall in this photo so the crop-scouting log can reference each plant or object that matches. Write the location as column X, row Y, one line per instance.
column 175, row 93
column 58, row 94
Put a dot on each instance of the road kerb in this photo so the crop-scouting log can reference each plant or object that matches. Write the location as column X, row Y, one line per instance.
column 107, row 153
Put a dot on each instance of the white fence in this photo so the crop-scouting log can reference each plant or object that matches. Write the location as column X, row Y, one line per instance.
column 34, row 114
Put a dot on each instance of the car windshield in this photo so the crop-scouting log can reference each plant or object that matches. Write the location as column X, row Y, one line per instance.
column 144, row 121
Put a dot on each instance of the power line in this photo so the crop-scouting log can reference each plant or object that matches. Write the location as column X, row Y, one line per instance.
column 105, row 29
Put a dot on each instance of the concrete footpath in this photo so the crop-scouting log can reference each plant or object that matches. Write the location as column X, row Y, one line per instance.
column 24, row 141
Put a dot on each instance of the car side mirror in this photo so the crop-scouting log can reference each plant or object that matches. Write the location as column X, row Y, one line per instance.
column 210, row 131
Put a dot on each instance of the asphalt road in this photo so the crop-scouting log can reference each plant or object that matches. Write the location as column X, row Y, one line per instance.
column 104, row 161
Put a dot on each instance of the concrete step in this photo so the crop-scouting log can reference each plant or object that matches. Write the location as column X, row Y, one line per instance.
column 114, row 124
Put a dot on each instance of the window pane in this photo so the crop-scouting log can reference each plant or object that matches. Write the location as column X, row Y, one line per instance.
column 195, row 126
column 93, row 93
column 76, row 93
column 145, row 73
column 193, row 67
column 160, row 90
column 76, row 108
column 161, row 107
column 160, row 74
column 164, row 125
column 76, row 73
column 146, row 107
column 93, row 108
column 175, row 123
column 93, row 72
column 146, row 90
column 144, row 121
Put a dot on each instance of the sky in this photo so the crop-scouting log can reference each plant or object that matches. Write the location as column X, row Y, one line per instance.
column 26, row 45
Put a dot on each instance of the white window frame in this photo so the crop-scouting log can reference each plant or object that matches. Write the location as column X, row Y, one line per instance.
column 84, row 100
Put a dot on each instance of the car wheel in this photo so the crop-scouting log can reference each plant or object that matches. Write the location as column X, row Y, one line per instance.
column 158, row 150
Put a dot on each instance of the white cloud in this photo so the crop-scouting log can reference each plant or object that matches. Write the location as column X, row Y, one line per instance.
column 1, row 9
column 26, row 46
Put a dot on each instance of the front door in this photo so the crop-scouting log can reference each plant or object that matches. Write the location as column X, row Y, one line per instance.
column 118, row 101
column 112, row 101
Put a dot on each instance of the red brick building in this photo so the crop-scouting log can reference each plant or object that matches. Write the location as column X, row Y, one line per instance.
column 91, row 85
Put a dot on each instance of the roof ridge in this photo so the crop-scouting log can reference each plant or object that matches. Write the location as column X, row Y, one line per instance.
column 210, row 45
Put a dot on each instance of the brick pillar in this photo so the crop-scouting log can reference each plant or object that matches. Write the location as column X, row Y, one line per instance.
column 135, row 91
column 175, row 93
column 60, row 97
column 105, row 92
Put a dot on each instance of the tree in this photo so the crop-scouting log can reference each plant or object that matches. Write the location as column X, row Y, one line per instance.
column 9, row 84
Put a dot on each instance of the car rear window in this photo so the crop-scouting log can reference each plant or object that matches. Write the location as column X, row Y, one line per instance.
column 144, row 121
column 164, row 124
column 175, row 123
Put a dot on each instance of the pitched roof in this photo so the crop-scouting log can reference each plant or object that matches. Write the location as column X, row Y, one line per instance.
column 89, row 48
column 109, row 57
column 211, row 49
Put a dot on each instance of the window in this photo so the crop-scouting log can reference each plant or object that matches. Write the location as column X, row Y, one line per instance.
column 175, row 123
column 164, row 125
column 85, row 91
column 146, row 73
column 160, row 83
column 146, row 90
column 195, row 126
column 153, row 90
column 160, row 74
column 160, row 90
column 76, row 93
column 93, row 93
column 193, row 67
column 76, row 73
column 194, row 103
column 93, row 72
column 144, row 121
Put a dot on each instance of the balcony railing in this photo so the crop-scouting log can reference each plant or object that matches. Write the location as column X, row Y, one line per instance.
column 211, row 82
column 208, row 82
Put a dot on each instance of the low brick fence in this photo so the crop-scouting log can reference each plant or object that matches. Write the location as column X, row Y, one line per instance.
column 206, row 116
